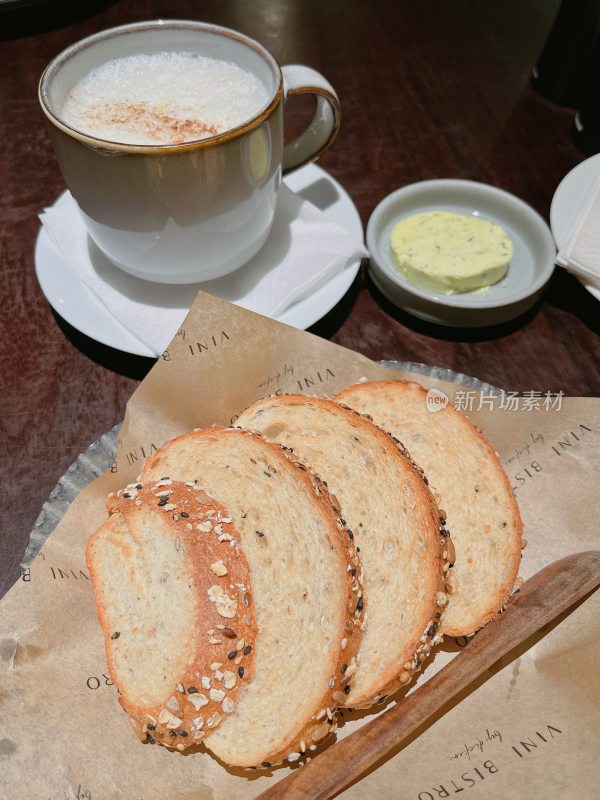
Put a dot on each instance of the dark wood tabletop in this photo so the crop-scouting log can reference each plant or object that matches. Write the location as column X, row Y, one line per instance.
column 434, row 89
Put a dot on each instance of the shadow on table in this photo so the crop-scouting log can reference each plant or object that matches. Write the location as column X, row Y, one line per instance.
column 447, row 332
column 329, row 325
column 566, row 293
column 131, row 366
column 19, row 18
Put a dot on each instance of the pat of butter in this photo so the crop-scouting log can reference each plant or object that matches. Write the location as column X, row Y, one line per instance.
column 446, row 252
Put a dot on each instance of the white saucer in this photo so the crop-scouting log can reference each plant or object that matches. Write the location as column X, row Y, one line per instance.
column 75, row 303
column 567, row 202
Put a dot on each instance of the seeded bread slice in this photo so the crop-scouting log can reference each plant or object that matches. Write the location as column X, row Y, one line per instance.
column 479, row 504
column 306, row 595
column 393, row 518
column 174, row 602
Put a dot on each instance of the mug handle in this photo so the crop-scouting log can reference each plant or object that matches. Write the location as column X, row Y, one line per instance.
column 325, row 125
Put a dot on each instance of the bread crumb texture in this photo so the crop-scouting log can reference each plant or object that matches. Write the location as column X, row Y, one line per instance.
column 476, row 497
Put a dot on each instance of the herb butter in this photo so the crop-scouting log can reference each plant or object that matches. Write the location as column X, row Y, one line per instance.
column 446, row 252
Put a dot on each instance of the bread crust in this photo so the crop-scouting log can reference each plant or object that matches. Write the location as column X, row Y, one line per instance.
column 378, row 397
column 410, row 656
column 321, row 721
column 198, row 698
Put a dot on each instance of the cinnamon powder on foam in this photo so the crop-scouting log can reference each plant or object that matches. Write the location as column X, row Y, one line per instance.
column 154, row 123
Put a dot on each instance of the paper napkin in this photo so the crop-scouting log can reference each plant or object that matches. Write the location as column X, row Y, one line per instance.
column 304, row 250
column 580, row 252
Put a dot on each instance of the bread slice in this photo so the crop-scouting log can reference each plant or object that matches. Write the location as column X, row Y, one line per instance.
column 174, row 600
column 481, row 511
column 393, row 518
column 306, row 595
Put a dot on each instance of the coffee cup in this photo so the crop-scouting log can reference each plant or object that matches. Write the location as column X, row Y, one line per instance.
column 169, row 206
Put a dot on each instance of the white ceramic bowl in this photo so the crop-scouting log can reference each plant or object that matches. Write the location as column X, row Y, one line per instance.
column 529, row 271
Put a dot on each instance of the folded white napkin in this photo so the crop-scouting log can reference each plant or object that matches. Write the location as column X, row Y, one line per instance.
column 304, row 250
column 580, row 252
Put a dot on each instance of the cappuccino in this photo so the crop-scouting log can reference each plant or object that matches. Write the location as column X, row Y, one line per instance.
column 163, row 98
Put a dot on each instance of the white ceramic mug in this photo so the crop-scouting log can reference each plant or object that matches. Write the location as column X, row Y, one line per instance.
column 183, row 213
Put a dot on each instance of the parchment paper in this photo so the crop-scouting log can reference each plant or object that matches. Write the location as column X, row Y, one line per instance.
column 531, row 731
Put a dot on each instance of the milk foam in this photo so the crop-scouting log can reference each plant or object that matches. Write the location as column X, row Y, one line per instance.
column 163, row 98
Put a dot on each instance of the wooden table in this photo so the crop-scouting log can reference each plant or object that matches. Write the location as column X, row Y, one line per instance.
column 433, row 89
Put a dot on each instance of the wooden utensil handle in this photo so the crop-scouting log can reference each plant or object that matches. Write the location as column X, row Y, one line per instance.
column 541, row 599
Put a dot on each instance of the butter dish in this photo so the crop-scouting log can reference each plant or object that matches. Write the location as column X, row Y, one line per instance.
column 530, row 268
